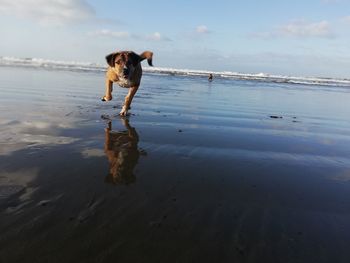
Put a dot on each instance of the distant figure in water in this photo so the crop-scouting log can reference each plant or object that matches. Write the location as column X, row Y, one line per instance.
column 210, row 78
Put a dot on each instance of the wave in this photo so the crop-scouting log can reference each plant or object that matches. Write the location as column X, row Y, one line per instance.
column 50, row 64
column 256, row 77
column 94, row 67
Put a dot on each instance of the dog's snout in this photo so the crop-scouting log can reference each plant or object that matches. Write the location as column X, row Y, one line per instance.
column 126, row 71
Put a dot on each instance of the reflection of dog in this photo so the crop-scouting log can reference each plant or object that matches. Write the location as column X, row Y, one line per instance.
column 125, row 69
column 122, row 153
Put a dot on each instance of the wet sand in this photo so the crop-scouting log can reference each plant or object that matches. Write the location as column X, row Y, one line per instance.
column 226, row 171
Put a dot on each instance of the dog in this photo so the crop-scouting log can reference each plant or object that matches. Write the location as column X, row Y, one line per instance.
column 125, row 70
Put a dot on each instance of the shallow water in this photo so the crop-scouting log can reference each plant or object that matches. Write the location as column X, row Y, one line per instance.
column 199, row 172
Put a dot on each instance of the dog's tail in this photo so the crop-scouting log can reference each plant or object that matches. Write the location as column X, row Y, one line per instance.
column 147, row 55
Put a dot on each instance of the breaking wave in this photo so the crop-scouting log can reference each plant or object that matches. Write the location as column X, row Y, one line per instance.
column 94, row 67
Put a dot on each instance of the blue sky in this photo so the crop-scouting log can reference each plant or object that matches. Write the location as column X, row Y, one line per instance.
column 304, row 38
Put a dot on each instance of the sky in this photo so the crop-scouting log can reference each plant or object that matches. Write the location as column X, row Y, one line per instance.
column 298, row 38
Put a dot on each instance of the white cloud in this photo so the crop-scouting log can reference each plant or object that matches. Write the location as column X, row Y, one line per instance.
column 48, row 12
column 197, row 33
column 109, row 33
column 202, row 29
column 346, row 19
column 330, row 1
column 156, row 36
column 300, row 29
column 304, row 29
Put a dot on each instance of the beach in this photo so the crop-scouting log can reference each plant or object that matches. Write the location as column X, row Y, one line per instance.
column 233, row 170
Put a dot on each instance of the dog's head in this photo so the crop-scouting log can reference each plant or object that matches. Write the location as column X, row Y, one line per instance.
column 124, row 62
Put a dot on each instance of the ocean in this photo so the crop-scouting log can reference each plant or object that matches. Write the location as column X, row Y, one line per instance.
column 246, row 168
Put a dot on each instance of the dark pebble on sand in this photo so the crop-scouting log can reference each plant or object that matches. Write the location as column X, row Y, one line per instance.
column 44, row 202
column 104, row 117
column 240, row 251
column 275, row 117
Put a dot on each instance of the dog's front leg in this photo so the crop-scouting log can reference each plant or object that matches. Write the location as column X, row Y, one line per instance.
column 109, row 89
column 128, row 100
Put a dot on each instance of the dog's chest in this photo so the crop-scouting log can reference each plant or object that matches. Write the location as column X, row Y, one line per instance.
column 123, row 82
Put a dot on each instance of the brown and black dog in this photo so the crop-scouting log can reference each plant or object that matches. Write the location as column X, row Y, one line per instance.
column 125, row 69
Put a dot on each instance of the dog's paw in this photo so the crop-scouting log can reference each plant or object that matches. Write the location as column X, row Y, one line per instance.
column 105, row 98
column 123, row 112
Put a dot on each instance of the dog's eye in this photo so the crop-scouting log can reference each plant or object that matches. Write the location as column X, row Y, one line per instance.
column 117, row 62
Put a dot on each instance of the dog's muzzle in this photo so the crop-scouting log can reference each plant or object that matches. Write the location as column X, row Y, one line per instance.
column 126, row 72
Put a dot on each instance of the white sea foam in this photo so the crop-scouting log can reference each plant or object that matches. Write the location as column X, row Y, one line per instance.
column 94, row 67
column 50, row 64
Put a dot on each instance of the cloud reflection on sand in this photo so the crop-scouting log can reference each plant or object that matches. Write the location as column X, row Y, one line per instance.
column 20, row 134
column 18, row 183
column 91, row 152
column 342, row 176
column 43, row 111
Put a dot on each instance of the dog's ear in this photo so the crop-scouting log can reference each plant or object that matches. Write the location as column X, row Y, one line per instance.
column 147, row 55
column 110, row 59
